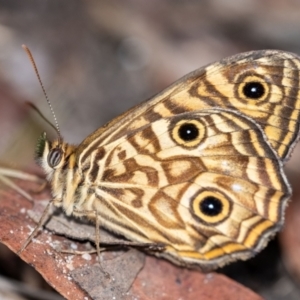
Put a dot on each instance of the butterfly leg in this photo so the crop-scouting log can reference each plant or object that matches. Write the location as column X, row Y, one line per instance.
column 41, row 222
column 13, row 186
column 19, row 174
column 7, row 172
column 97, row 235
column 97, row 241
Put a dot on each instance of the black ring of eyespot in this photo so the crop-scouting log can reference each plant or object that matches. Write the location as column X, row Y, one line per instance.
column 188, row 133
column 54, row 157
column 210, row 207
column 253, row 87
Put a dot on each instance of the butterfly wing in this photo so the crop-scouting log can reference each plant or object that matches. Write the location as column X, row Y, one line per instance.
column 264, row 85
column 206, row 184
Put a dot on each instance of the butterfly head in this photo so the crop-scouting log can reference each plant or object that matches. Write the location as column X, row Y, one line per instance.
column 52, row 156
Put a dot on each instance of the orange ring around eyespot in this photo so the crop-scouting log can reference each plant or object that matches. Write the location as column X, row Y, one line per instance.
column 209, row 220
column 253, row 78
column 189, row 144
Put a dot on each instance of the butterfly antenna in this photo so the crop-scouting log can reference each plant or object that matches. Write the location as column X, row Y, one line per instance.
column 56, row 127
column 41, row 114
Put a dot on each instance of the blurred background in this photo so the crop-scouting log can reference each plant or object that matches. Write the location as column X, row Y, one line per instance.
column 98, row 58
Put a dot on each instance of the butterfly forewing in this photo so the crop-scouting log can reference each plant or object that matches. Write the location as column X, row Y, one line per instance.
column 264, row 85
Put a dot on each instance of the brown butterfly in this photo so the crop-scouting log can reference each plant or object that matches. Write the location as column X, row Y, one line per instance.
column 197, row 169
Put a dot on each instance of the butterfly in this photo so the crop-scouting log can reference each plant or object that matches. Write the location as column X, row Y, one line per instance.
column 197, row 169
